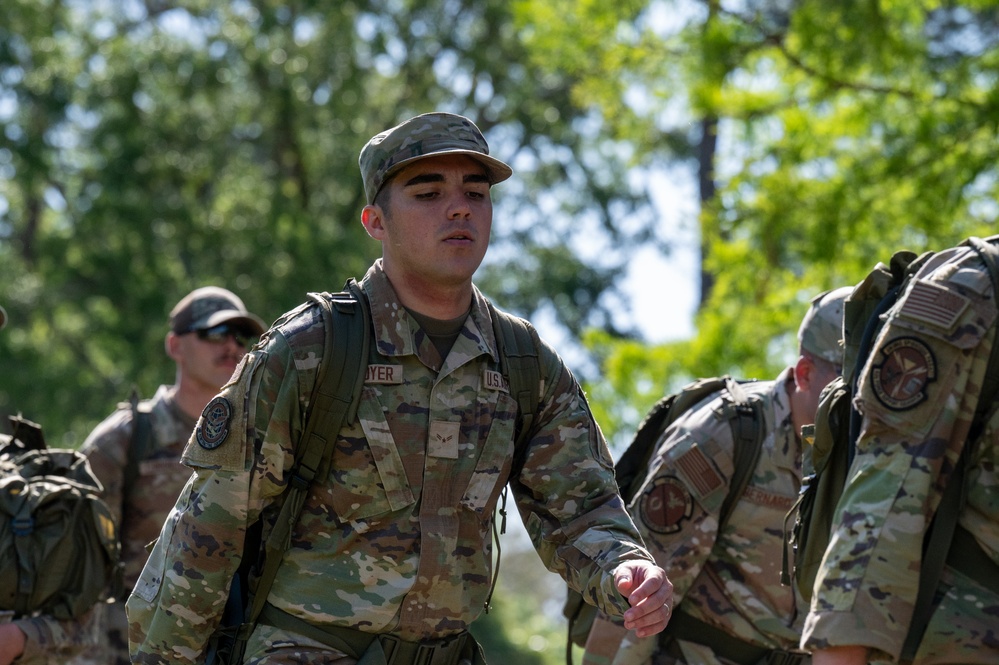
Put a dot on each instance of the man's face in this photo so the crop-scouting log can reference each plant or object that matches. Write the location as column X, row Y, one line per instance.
column 209, row 359
column 435, row 228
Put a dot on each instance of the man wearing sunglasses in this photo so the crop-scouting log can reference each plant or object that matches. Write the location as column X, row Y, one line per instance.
column 135, row 452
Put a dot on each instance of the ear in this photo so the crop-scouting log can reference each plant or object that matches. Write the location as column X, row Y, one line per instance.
column 373, row 220
column 172, row 345
column 803, row 371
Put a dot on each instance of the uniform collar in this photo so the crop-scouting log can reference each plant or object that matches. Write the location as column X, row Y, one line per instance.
column 394, row 327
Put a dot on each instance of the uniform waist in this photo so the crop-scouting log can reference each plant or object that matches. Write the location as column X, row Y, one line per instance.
column 379, row 649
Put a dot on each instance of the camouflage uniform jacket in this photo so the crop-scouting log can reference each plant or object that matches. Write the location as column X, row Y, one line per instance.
column 918, row 392
column 729, row 578
column 397, row 539
column 161, row 476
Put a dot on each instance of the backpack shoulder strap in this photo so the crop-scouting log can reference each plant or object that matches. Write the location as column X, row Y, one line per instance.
column 335, row 394
column 747, row 422
column 520, row 361
column 140, row 444
column 940, row 535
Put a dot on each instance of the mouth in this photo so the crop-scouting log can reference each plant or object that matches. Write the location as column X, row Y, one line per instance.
column 459, row 236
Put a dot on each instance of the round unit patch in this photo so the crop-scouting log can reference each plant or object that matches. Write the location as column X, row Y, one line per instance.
column 665, row 505
column 213, row 428
column 907, row 368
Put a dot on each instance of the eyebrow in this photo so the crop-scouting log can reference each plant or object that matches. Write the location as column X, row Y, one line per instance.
column 437, row 177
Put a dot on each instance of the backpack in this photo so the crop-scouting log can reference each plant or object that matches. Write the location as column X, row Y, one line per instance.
column 59, row 549
column 837, row 428
column 746, row 419
column 335, row 396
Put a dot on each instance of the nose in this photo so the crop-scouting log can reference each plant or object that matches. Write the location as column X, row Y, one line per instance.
column 458, row 206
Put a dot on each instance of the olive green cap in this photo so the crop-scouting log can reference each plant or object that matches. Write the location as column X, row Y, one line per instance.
column 821, row 331
column 424, row 136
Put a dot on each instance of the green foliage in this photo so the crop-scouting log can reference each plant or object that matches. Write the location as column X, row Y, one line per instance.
column 845, row 132
column 151, row 151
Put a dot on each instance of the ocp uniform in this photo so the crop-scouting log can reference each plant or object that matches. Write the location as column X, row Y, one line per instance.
column 918, row 393
column 727, row 578
column 397, row 540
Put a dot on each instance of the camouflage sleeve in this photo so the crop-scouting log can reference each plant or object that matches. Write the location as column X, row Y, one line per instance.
column 238, row 452
column 918, row 391
column 567, row 495
column 48, row 639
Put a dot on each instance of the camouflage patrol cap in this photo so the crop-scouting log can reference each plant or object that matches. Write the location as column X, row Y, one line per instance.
column 425, row 135
column 821, row 331
column 209, row 306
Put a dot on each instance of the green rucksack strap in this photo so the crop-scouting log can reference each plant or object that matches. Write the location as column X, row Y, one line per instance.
column 747, row 434
column 941, row 531
column 520, row 363
column 334, row 401
column 519, row 347
column 140, row 445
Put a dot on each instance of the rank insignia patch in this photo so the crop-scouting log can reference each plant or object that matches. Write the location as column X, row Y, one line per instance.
column 666, row 505
column 907, row 367
column 213, row 428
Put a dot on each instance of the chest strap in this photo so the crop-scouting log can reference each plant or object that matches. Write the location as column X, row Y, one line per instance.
column 379, row 649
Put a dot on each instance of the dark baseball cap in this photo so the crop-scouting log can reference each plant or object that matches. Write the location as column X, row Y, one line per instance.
column 210, row 306
column 426, row 135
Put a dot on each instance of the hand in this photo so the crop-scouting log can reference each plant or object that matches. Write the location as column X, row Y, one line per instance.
column 649, row 593
column 11, row 643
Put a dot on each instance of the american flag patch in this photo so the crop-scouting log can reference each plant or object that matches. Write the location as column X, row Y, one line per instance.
column 699, row 472
column 934, row 304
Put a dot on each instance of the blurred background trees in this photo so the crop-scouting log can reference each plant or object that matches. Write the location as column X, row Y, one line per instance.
column 148, row 148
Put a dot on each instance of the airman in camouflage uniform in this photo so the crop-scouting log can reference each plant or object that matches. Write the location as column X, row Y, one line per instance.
column 209, row 331
column 918, row 391
column 42, row 639
column 396, row 541
column 727, row 583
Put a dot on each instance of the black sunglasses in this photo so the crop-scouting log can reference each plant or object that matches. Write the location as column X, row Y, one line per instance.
column 218, row 334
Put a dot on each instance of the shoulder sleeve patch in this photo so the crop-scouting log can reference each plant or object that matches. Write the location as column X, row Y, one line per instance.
column 219, row 439
column 699, row 472
column 213, row 428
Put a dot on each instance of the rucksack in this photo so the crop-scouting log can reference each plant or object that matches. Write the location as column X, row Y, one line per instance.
column 59, row 551
column 745, row 417
column 334, row 401
column 808, row 526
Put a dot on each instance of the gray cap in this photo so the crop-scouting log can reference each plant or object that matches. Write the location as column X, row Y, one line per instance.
column 425, row 135
column 210, row 306
column 821, row 331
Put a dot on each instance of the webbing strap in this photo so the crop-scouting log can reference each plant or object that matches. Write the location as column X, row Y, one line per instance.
column 747, row 437
column 682, row 626
column 338, row 381
column 520, row 361
column 378, row 649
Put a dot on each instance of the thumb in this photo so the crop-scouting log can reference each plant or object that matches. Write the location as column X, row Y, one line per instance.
column 625, row 585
